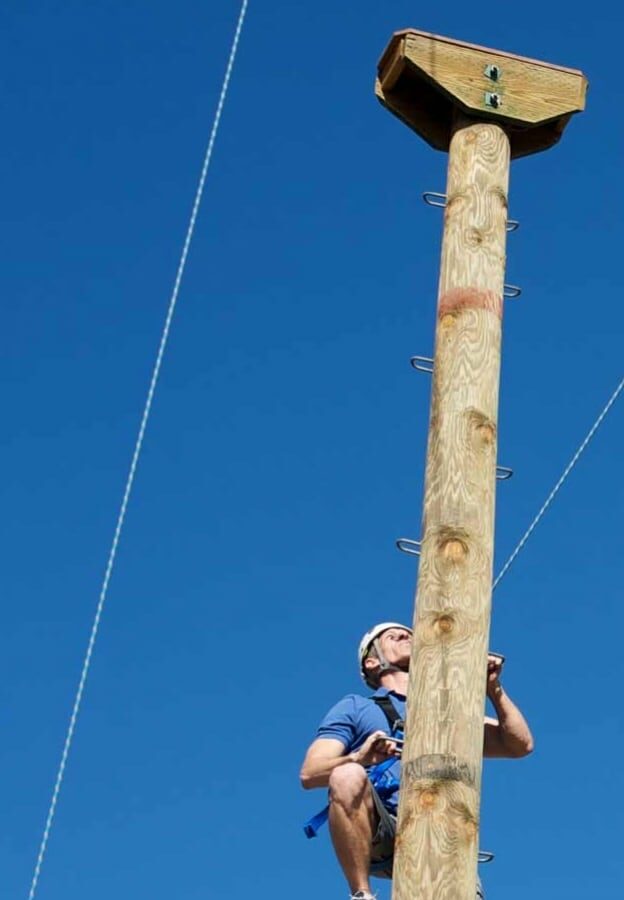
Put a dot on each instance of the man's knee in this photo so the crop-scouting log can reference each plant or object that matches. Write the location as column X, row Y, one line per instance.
column 348, row 784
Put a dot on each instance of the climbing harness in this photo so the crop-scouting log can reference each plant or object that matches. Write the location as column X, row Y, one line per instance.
column 383, row 781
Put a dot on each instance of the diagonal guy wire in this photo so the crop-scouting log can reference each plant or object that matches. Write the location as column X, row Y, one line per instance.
column 592, row 431
column 136, row 454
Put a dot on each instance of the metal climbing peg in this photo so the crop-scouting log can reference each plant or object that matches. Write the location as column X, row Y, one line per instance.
column 406, row 545
column 503, row 473
column 433, row 198
column 511, row 291
column 422, row 364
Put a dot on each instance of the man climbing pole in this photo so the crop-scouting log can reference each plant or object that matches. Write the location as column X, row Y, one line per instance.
column 356, row 754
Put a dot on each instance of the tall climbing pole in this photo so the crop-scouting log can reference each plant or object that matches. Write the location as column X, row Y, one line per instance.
column 484, row 107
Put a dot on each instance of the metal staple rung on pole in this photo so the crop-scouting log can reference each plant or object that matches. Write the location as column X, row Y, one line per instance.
column 485, row 856
column 511, row 291
column 503, row 473
column 406, row 545
column 434, row 198
column 422, row 364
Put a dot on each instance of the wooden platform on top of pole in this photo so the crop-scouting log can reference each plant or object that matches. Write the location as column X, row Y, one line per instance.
column 483, row 107
column 424, row 79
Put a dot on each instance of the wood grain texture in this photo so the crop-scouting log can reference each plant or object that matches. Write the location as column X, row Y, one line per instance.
column 436, row 849
column 530, row 91
column 404, row 32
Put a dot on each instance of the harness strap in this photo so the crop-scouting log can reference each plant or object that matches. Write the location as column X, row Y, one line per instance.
column 376, row 773
column 386, row 705
column 312, row 826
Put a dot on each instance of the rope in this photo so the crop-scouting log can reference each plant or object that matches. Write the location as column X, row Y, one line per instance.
column 136, row 454
column 592, row 431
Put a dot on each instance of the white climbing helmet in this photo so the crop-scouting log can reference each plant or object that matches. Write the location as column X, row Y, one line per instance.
column 370, row 638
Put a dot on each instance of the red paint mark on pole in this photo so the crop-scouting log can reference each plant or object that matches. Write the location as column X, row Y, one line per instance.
column 457, row 299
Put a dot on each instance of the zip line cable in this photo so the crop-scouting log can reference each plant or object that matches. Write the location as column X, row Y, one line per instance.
column 137, row 452
column 592, row 431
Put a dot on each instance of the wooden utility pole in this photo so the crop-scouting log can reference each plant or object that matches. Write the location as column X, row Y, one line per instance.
column 483, row 107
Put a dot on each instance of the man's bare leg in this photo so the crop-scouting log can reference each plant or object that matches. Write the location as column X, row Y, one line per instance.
column 352, row 821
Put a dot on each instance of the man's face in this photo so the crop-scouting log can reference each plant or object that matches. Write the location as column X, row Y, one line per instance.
column 395, row 645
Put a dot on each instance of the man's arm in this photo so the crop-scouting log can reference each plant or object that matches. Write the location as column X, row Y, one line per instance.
column 509, row 734
column 326, row 754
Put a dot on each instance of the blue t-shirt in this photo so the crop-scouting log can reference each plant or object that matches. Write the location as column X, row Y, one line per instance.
column 354, row 718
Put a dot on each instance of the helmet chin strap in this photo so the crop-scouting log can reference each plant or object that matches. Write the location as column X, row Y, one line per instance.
column 384, row 665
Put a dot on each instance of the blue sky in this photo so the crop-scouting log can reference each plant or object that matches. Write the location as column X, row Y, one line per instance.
column 285, row 451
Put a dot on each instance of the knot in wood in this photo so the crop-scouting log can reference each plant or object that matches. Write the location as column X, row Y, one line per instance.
column 453, row 198
column 465, row 820
column 428, row 799
column 467, row 823
column 474, row 237
column 454, row 550
column 484, row 428
column 447, row 320
column 444, row 624
column 500, row 195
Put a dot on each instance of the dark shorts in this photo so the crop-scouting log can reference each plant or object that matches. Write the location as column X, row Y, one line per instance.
column 382, row 851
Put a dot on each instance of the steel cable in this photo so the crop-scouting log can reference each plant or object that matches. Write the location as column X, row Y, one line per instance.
column 135, row 456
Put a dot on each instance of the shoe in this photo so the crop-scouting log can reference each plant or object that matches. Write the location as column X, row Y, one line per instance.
column 363, row 895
